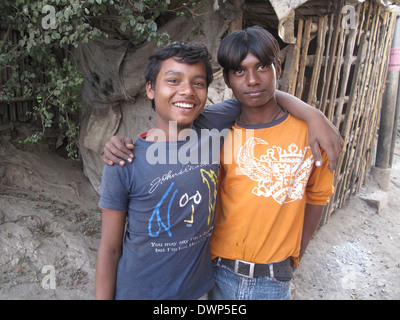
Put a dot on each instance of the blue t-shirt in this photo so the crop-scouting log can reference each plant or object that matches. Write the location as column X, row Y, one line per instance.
column 169, row 193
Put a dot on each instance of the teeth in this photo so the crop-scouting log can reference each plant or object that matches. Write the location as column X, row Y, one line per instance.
column 184, row 105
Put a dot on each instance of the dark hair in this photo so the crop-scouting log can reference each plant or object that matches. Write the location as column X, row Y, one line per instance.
column 237, row 45
column 185, row 52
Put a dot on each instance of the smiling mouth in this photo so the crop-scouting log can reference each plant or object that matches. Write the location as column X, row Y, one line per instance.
column 184, row 105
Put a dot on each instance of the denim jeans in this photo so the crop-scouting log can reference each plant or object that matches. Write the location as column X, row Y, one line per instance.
column 230, row 286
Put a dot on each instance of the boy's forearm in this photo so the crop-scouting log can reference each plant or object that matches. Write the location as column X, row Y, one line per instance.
column 312, row 218
column 106, row 274
column 296, row 107
column 321, row 132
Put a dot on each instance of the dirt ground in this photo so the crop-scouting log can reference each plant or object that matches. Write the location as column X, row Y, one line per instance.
column 356, row 255
column 50, row 230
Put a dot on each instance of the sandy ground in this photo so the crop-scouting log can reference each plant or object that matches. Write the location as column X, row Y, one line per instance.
column 50, row 230
column 357, row 254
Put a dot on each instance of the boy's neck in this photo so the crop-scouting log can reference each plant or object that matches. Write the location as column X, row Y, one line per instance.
column 172, row 133
column 260, row 115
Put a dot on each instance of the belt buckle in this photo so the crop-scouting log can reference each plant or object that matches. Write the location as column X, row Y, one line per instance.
column 240, row 265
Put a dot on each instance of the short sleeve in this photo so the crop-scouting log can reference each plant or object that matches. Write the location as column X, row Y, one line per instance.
column 320, row 184
column 114, row 188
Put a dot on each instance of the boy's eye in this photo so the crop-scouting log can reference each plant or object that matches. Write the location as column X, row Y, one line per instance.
column 239, row 71
column 199, row 84
column 263, row 67
column 173, row 81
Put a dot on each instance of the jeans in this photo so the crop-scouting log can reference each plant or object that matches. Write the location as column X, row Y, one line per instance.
column 230, row 286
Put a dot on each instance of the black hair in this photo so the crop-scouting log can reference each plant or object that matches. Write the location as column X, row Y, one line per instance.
column 185, row 52
column 237, row 45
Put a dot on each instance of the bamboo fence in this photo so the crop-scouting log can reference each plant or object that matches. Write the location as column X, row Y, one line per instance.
column 342, row 71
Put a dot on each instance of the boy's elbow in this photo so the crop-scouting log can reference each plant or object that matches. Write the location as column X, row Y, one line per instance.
column 111, row 253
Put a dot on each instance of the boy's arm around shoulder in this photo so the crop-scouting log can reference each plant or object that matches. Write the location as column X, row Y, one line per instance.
column 321, row 132
column 221, row 115
column 118, row 150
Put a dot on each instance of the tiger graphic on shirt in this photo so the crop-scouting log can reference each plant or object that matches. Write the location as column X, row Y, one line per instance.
column 281, row 173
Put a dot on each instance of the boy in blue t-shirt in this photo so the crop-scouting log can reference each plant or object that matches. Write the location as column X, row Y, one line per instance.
column 168, row 194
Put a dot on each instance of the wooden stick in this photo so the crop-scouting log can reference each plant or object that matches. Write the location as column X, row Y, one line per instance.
column 297, row 56
column 304, row 51
column 322, row 26
column 346, row 73
column 332, row 52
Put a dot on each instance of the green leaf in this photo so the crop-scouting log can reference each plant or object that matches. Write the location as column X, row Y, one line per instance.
column 47, row 39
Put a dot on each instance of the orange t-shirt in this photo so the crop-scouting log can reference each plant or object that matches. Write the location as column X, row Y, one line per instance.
column 267, row 176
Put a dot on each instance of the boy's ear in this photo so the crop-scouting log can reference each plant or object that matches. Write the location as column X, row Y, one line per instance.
column 149, row 91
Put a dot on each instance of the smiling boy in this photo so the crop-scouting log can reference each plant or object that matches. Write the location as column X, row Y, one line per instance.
column 170, row 207
column 182, row 106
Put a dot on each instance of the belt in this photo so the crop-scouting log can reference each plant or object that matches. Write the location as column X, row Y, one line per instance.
column 282, row 271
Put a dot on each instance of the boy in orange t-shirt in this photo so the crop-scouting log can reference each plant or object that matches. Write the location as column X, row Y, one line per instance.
column 271, row 195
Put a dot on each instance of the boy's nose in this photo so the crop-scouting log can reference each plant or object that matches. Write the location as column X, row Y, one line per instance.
column 252, row 78
column 185, row 89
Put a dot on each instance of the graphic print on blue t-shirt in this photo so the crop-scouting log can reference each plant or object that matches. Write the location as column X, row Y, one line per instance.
column 211, row 179
column 166, row 224
column 161, row 220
